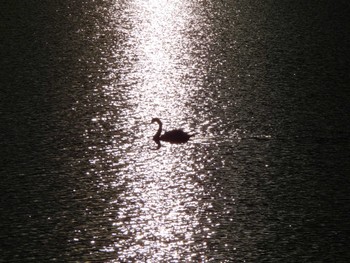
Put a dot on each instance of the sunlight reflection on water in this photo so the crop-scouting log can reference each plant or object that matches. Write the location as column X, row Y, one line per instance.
column 160, row 202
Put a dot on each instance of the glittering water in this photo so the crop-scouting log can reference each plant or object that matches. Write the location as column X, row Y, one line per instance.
column 263, row 86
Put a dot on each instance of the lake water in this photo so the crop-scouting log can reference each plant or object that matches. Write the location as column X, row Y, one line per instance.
column 263, row 85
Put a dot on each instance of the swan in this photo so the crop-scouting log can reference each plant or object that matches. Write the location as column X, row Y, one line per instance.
column 174, row 136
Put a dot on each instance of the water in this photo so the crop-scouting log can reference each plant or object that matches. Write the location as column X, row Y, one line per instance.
column 264, row 86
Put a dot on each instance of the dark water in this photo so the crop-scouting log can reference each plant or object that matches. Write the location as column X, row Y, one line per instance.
column 263, row 84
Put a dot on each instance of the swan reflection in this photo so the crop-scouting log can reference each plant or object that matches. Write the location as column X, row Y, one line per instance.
column 174, row 136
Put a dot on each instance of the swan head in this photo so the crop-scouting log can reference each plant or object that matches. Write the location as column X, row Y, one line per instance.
column 156, row 120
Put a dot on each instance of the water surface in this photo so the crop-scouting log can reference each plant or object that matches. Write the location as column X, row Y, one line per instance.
column 264, row 86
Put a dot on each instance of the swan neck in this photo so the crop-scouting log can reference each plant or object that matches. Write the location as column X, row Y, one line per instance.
column 159, row 130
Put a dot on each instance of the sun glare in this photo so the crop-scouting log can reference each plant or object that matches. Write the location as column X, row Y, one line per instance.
column 158, row 200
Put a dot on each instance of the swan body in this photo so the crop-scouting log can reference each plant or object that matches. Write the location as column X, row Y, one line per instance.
column 174, row 136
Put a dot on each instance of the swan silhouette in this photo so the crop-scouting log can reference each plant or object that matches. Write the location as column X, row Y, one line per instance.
column 175, row 136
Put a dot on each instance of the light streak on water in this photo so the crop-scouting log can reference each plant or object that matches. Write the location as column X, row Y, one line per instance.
column 157, row 199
